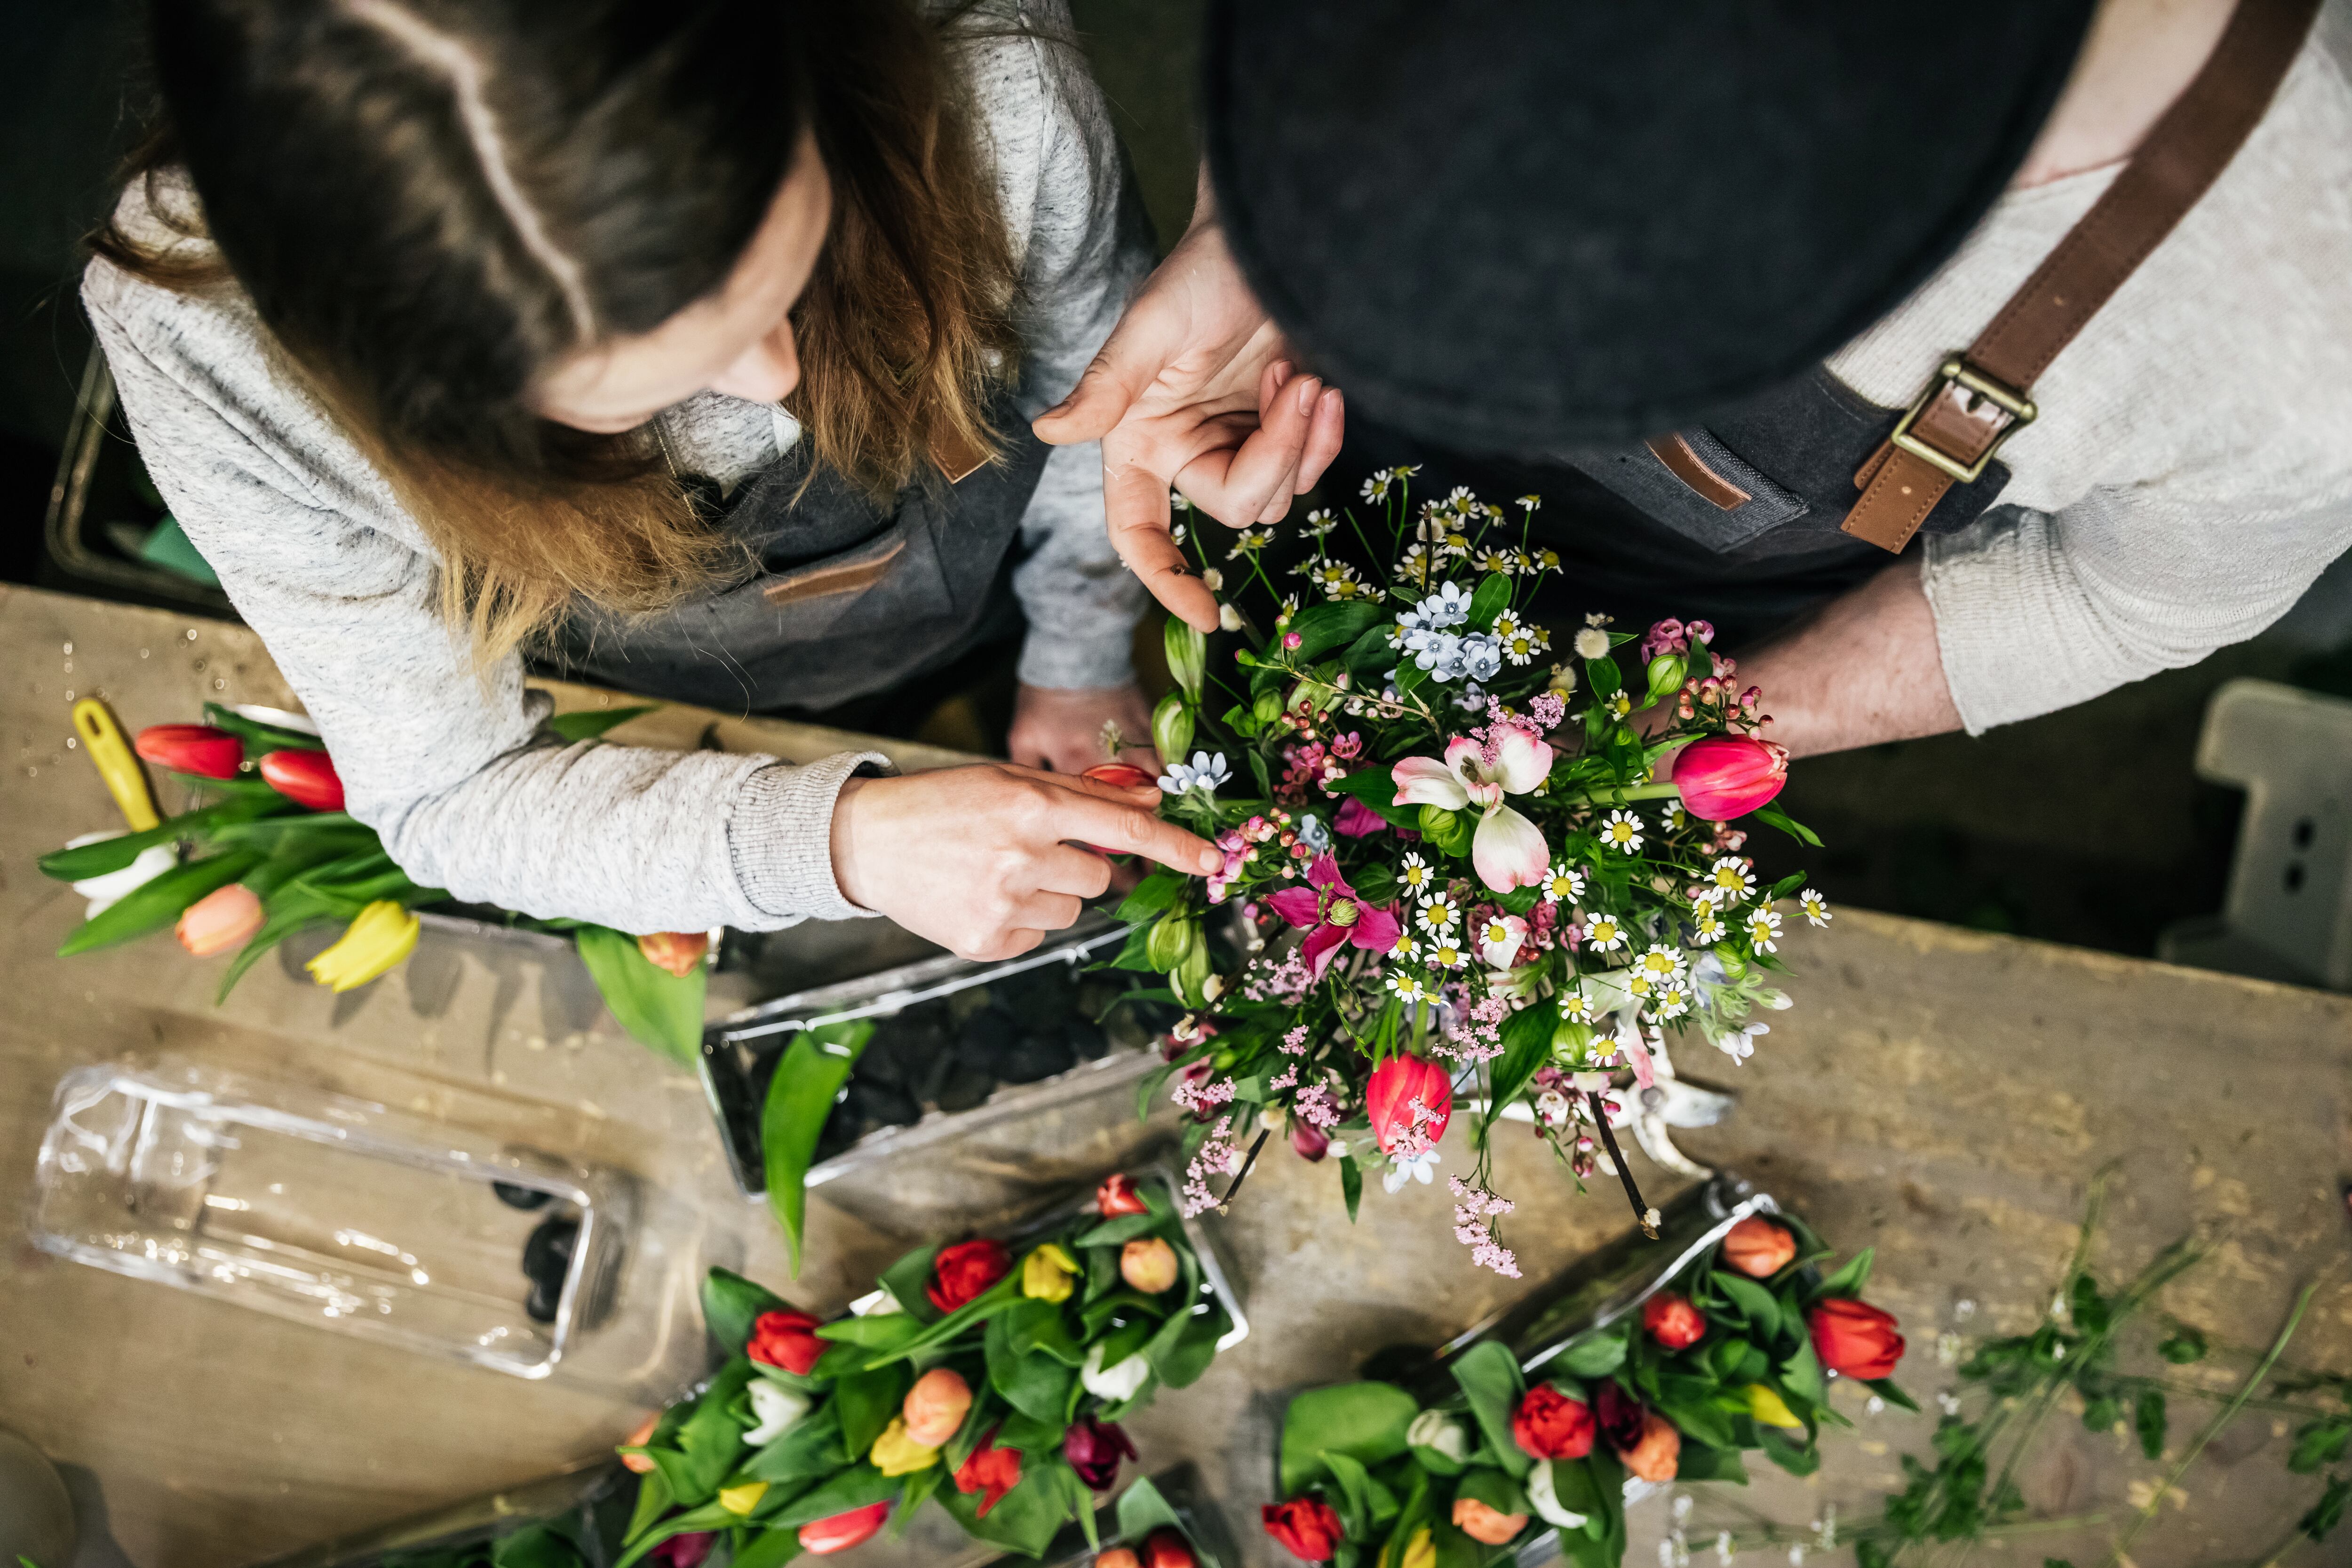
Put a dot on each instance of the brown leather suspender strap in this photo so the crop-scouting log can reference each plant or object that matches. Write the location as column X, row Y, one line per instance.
column 1981, row 397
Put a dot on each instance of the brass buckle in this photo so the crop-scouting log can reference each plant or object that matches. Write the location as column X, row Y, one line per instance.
column 1956, row 371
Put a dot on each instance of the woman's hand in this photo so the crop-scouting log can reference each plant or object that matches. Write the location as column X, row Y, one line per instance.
column 979, row 859
column 1062, row 728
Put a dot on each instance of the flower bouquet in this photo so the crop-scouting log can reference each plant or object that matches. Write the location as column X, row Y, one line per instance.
column 990, row 1381
column 1149, row 1531
column 1734, row 1354
column 1456, row 866
column 271, row 851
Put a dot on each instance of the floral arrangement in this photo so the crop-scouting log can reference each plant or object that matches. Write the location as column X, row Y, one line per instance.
column 1151, row 1534
column 1732, row 1354
column 990, row 1383
column 1451, row 865
column 270, row 851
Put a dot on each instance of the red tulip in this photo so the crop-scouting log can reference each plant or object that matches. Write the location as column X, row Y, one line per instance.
column 843, row 1530
column 1548, row 1424
column 1164, row 1548
column 1726, row 776
column 786, row 1340
column 1854, row 1338
column 1672, row 1322
column 1757, row 1247
column 1307, row 1527
column 1118, row 776
column 223, row 919
column 679, row 952
column 306, row 778
column 966, row 1269
column 1117, row 1196
column 1617, row 1416
column 991, row 1471
column 1394, row 1086
column 197, row 749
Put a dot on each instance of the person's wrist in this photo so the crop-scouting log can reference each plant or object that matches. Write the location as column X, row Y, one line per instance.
column 843, row 844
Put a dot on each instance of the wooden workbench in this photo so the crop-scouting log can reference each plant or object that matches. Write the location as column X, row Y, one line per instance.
column 1941, row 1095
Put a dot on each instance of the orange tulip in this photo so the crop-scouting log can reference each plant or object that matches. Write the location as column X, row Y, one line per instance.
column 1757, row 1247
column 1149, row 1264
column 935, row 1407
column 1655, row 1457
column 679, row 952
column 221, row 920
column 639, row 1464
column 1486, row 1525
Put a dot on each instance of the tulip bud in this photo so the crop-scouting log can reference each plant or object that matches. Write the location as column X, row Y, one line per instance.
column 1046, row 1274
column 1149, row 1265
column 1769, row 1408
column 843, row 1530
column 1395, row 1087
column 1188, row 653
column 639, row 1464
column 197, row 749
column 384, row 934
column 1658, row 1454
column 306, row 778
column 1672, row 1322
column 935, row 1407
column 1164, row 1548
column 1309, row 1142
column 1123, row 775
column 1117, row 1196
column 1486, row 1525
column 223, row 919
column 1757, row 1247
column 1169, row 942
column 680, row 953
column 742, row 1499
column 1420, row 1552
column 1854, row 1338
column 1118, row 1557
column 1171, row 727
column 1724, row 776
column 895, row 1452
column 1666, row 673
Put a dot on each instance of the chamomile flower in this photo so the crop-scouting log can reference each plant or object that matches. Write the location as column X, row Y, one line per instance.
column 1603, row 934
column 1523, row 563
column 1413, row 566
column 1524, row 644
column 1592, row 642
column 1248, row 541
column 1320, row 521
column 1531, row 504
column 1408, row 987
column 1619, row 704
column 1731, row 877
column 1377, row 486
column 1405, row 950
column 1337, row 579
column 1499, row 561
column 1548, row 560
column 1439, row 914
column 1706, row 926
column 1460, row 501
column 1639, row 985
column 1177, row 502
column 1453, row 544
column 1443, row 954
column 1574, row 1007
column 1563, row 884
column 1672, row 1000
column 1764, row 931
column 1816, row 908
column 1623, row 831
column 1507, row 625
column 1414, row 874
column 1660, row 962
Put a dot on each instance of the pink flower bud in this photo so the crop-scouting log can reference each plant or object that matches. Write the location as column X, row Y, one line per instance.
column 1292, row 641
column 1726, row 776
column 221, row 920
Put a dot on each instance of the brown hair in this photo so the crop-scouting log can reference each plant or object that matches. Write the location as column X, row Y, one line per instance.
column 431, row 201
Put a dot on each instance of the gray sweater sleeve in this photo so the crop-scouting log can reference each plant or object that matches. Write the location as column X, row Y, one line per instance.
column 446, row 762
column 1088, row 248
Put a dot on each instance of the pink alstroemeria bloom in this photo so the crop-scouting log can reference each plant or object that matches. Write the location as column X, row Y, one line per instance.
column 1507, row 850
column 1337, row 915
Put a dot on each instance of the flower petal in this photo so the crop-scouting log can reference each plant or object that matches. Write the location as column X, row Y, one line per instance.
column 1521, row 762
column 1376, row 929
column 1323, row 872
column 1425, row 781
column 1321, row 943
column 1508, row 850
column 1299, row 905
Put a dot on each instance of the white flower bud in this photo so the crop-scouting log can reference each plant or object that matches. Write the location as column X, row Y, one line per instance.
column 1592, row 642
column 1440, row 1433
column 1228, row 618
column 1213, row 580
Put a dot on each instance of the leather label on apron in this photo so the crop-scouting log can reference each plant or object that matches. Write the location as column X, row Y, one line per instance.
column 849, row 577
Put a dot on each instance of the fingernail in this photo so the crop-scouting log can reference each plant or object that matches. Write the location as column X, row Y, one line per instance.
column 1209, row 859
column 1307, row 389
column 1282, row 369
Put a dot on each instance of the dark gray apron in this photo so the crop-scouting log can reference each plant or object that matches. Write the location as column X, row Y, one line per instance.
column 1750, row 553
column 847, row 597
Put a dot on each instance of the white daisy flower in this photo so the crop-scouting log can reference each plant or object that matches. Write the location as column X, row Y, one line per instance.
column 1660, row 962
column 1415, row 874
column 1816, row 908
column 1706, row 927
column 1732, row 879
column 1531, row 504
column 1672, row 1001
column 1764, row 931
column 1619, row 704
column 1443, row 954
column 1408, row 987
column 1320, row 521
column 1507, row 625
column 1623, row 831
column 1377, row 486
column 1248, row 541
column 1574, row 1007
column 1563, row 884
column 1639, row 985
column 1547, row 559
column 1524, row 645
column 1495, row 561
column 1439, row 914
column 1603, row 934
column 1413, row 566
column 1405, row 950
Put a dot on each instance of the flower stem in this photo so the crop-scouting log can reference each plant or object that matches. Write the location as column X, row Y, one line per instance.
column 1227, row 1202
column 1617, row 1158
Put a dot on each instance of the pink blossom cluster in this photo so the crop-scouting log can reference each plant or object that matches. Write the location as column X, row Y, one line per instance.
column 1293, row 1043
column 1409, row 1144
column 1478, row 1037
column 1314, row 1107
column 1316, row 764
column 1217, row 1156
column 1671, row 636
column 1475, row 1210
column 1286, row 982
column 1199, row 1097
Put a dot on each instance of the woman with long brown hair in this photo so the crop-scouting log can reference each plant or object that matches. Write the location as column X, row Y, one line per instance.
column 689, row 345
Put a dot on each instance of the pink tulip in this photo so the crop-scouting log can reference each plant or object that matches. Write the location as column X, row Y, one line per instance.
column 1331, row 907
column 1394, row 1088
column 223, row 919
column 1726, row 776
column 1507, row 850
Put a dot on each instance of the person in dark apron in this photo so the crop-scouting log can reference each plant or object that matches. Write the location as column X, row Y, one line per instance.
column 1654, row 271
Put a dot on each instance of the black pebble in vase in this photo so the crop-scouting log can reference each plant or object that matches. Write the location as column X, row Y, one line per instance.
column 524, row 1198
column 546, row 1259
column 987, row 1042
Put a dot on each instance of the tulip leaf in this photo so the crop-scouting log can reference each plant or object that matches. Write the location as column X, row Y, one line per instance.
column 1182, row 1365
column 865, row 1402
column 1594, row 1356
column 860, row 1486
column 1351, row 1185
column 254, row 733
column 1701, row 1462
column 1754, row 1301
column 1779, row 1448
column 807, row 1081
column 1143, row 1510
column 1772, row 815
column 882, row 1331
column 1884, row 1387
column 657, row 1008
column 1527, row 1045
column 1322, row 628
column 1365, row 1421
column 590, row 722
column 1489, row 1377
column 158, row 903
column 731, row 1304
column 904, row 1280
column 110, row 854
column 1801, row 1374
column 1023, row 1520
column 808, row 1448
column 770, row 1548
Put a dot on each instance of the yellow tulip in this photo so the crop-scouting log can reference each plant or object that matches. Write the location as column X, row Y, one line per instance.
column 1769, row 1407
column 1046, row 1274
column 1420, row 1552
column 896, row 1454
column 742, row 1499
column 382, row 935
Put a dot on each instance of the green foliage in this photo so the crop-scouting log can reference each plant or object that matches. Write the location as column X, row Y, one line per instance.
column 657, row 1008
column 800, row 1096
column 589, row 723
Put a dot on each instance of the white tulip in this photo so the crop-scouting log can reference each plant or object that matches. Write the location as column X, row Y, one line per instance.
column 778, row 1409
column 1437, row 1431
column 1544, row 1498
column 1116, row 1383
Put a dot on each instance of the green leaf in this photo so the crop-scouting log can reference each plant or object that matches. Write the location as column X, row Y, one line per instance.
column 1884, row 1387
column 1699, row 1462
column 160, row 902
column 654, row 1499
column 2319, row 1444
column 1801, row 1374
column 1754, row 1302
column 1376, row 787
column 1493, row 597
column 770, row 1549
column 1024, row 1518
column 657, row 1008
column 1162, row 889
column 2087, row 1307
column 708, row 1516
column 1369, row 654
column 1355, row 1492
column 810, row 1447
column 1322, row 628
column 905, row 1282
column 712, row 1436
column 1181, row 1363
column 1365, row 1421
column 535, row 1546
column 807, row 1081
column 1848, row 1281
column 1141, row 1510
column 114, row 854
column 1035, row 1383
column 2148, row 1421
column 256, row 733
column 2329, row 1511
column 1489, row 1377
column 1772, row 815
column 2183, row 1345
column 1351, row 1185
column 731, row 1304
column 1527, row 1045
column 1789, row 1456
column 864, row 1402
column 860, row 1486
column 1595, row 1356
column 591, row 722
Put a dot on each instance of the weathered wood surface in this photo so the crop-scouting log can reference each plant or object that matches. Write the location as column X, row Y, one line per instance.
column 1944, row 1096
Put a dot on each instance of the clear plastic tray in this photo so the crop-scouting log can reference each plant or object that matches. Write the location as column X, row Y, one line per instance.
column 334, row 1211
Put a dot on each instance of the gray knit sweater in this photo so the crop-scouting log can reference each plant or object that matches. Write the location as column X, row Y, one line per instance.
column 456, row 775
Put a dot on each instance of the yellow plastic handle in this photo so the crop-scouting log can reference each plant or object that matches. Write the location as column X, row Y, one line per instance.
column 117, row 764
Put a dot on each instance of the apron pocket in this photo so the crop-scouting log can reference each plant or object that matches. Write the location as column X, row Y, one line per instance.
column 1694, row 485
